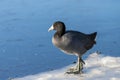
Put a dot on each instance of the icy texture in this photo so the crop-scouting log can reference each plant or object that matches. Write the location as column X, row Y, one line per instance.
column 97, row 67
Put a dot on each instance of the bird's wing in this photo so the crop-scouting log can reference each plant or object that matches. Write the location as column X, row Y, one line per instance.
column 75, row 38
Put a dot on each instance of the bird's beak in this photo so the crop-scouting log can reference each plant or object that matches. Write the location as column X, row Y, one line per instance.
column 51, row 28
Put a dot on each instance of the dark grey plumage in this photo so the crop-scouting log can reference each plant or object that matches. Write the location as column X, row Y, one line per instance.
column 72, row 42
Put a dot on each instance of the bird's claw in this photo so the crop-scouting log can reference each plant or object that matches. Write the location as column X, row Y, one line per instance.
column 74, row 70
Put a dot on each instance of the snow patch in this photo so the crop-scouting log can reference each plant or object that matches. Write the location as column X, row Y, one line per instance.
column 97, row 67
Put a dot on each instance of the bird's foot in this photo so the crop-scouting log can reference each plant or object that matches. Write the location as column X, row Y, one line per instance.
column 75, row 70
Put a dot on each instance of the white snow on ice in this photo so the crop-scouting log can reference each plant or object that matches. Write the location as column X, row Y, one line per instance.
column 23, row 51
column 97, row 67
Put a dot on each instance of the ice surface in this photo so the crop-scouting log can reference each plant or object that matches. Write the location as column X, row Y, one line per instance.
column 25, row 44
column 98, row 67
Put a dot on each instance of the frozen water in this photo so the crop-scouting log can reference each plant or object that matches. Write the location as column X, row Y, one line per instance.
column 97, row 67
column 25, row 44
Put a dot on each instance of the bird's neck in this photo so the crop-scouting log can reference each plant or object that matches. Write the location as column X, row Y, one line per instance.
column 60, row 33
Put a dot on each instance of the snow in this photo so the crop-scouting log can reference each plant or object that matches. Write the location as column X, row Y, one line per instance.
column 25, row 44
column 97, row 67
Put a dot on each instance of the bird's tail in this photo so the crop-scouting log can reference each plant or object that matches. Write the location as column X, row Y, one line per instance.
column 93, row 36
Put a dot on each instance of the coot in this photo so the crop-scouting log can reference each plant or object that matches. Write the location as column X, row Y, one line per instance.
column 72, row 42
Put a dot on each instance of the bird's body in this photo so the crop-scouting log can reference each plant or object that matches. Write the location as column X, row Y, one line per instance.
column 80, row 42
column 72, row 42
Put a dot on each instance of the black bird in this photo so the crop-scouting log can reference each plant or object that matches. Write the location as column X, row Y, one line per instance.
column 72, row 42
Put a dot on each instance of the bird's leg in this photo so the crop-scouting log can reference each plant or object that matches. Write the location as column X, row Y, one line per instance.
column 78, row 68
column 82, row 61
column 80, row 64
